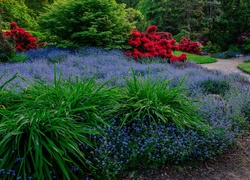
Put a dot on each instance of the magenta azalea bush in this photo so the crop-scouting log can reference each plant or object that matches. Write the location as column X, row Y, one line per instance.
column 23, row 39
column 160, row 44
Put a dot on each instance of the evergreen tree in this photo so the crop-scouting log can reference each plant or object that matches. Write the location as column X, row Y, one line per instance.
column 101, row 23
column 37, row 5
column 17, row 11
column 234, row 21
column 129, row 3
column 174, row 15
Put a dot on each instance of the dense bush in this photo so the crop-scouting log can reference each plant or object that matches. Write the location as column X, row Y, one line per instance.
column 153, row 44
column 16, row 10
column 223, row 30
column 87, row 23
column 190, row 47
column 243, row 42
column 23, row 39
column 214, row 86
column 7, row 49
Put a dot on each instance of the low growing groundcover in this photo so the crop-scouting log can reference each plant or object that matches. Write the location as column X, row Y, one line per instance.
column 245, row 67
column 94, row 113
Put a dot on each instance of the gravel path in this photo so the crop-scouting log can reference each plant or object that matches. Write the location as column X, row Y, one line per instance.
column 227, row 66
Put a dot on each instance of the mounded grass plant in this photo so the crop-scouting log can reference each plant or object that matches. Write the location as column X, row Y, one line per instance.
column 40, row 133
column 153, row 100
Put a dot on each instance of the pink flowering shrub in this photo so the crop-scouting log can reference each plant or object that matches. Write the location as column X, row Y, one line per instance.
column 23, row 39
column 153, row 44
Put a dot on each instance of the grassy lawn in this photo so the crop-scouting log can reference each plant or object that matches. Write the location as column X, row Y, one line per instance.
column 196, row 58
column 245, row 67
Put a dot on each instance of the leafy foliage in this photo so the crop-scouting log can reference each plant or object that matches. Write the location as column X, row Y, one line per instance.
column 153, row 44
column 214, row 86
column 136, row 18
column 191, row 47
column 42, row 127
column 129, row 3
column 156, row 102
column 7, row 49
column 88, row 23
column 23, row 39
column 173, row 16
column 243, row 42
column 234, row 21
column 16, row 10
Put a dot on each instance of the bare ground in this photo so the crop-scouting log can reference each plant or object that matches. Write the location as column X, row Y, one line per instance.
column 227, row 66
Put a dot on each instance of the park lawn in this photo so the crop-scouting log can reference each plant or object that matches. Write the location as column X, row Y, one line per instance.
column 196, row 58
column 245, row 67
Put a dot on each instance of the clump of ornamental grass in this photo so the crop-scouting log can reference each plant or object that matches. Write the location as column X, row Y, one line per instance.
column 42, row 126
column 155, row 101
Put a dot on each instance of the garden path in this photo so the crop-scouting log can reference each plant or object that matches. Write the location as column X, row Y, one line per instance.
column 227, row 66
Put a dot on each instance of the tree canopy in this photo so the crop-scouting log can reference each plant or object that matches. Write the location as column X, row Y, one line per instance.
column 89, row 23
column 17, row 11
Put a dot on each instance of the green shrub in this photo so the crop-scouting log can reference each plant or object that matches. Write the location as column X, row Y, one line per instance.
column 100, row 23
column 16, row 10
column 211, row 48
column 41, row 128
column 214, row 86
column 20, row 57
column 136, row 18
column 6, row 47
column 246, row 111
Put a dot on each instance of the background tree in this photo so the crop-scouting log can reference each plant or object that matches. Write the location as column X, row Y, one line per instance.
column 129, row 3
column 234, row 21
column 37, row 5
column 6, row 46
column 17, row 11
column 174, row 15
column 101, row 23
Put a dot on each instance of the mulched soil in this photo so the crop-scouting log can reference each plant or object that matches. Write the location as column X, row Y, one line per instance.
column 233, row 164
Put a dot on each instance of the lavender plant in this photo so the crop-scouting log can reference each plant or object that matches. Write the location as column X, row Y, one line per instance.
column 145, row 145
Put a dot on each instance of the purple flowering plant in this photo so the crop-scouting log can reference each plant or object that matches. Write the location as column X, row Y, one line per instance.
column 94, row 80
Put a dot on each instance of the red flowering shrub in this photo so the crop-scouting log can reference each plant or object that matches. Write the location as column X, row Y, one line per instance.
column 23, row 39
column 153, row 44
column 190, row 47
column 182, row 57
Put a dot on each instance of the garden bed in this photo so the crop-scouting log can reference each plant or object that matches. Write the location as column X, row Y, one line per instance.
column 149, row 115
